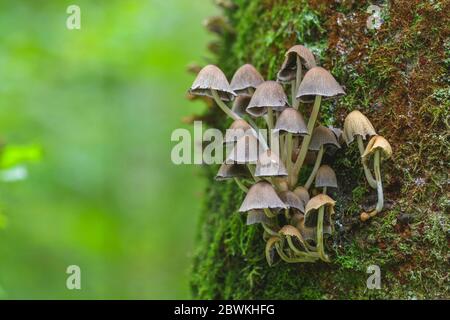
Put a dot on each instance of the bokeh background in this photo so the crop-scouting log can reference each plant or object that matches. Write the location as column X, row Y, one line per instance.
column 85, row 124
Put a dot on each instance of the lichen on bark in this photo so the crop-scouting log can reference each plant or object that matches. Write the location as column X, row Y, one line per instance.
column 399, row 77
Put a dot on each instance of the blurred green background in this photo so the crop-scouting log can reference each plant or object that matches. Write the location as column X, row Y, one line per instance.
column 85, row 123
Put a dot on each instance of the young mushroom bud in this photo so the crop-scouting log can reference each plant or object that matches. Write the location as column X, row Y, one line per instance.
column 380, row 149
column 357, row 125
column 316, row 209
column 211, row 82
column 245, row 80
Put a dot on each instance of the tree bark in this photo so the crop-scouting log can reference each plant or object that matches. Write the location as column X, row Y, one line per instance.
column 398, row 75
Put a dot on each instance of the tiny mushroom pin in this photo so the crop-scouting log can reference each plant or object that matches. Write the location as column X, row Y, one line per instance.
column 380, row 149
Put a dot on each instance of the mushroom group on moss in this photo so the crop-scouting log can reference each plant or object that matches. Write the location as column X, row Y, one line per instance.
column 294, row 209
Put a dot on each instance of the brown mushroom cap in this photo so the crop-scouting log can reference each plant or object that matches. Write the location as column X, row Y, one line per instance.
column 322, row 136
column 267, row 94
column 292, row 200
column 378, row 143
column 326, row 177
column 289, row 68
column 229, row 171
column 290, row 120
column 257, row 216
column 237, row 129
column 240, row 105
column 261, row 196
column 315, row 203
column 318, row 82
column 270, row 165
column 212, row 78
column 292, row 231
column 303, row 194
column 245, row 79
column 357, row 124
column 246, row 150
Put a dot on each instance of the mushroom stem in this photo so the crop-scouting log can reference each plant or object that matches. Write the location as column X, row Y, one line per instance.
column 367, row 172
column 320, row 246
column 269, row 230
column 305, row 144
column 223, row 106
column 285, row 258
column 269, row 213
column 289, row 152
column 315, row 168
column 376, row 168
column 298, row 80
column 241, row 185
column 324, row 190
column 251, row 168
column 269, row 119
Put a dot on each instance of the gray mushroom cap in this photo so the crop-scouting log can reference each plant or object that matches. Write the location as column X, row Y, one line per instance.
column 269, row 94
column 290, row 120
column 261, row 196
column 233, row 170
column 318, row 82
column 270, row 165
column 326, row 177
column 322, row 136
column 288, row 71
column 292, row 200
column 245, row 79
column 212, row 78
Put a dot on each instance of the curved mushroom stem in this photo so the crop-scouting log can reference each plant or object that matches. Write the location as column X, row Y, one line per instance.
column 298, row 251
column 303, row 258
column 380, row 203
column 289, row 152
column 320, row 246
column 240, row 185
column 305, row 144
column 315, row 168
column 269, row 119
column 298, row 80
column 269, row 213
column 367, row 172
column 269, row 230
column 223, row 106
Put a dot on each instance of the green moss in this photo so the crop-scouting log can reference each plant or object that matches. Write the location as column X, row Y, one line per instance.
column 379, row 69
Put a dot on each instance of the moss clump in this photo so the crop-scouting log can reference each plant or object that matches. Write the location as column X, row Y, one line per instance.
column 399, row 76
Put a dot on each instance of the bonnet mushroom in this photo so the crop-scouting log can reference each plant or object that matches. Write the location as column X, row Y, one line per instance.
column 380, row 149
column 357, row 125
column 211, row 82
column 245, row 80
column 326, row 178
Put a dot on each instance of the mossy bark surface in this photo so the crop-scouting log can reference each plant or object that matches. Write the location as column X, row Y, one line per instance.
column 398, row 75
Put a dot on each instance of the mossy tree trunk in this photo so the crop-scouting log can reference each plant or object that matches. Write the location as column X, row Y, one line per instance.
column 398, row 76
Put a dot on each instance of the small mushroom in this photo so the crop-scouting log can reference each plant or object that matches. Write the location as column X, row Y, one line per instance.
column 240, row 104
column 245, row 80
column 326, row 178
column 245, row 151
column 380, row 149
column 268, row 96
column 292, row 200
column 321, row 137
column 269, row 165
column 296, row 57
column 303, row 194
column 318, row 83
column 211, row 82
column 318, row 206
column 230, row 171
column 291, row 121
column 357, row 125
column 262, row 196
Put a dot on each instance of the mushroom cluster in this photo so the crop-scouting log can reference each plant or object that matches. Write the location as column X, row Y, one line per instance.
column 295, row 216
